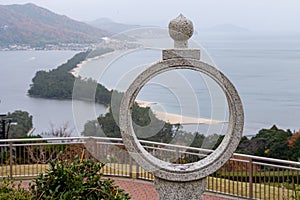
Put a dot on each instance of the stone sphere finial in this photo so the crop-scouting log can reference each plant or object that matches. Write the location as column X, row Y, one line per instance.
column 181, row 30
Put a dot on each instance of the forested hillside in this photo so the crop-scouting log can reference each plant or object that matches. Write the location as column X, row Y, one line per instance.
column 36, row 26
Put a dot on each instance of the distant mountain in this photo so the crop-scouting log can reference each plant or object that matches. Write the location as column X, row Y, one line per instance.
column 33, row 25
column 227, row 28
column 111, row 26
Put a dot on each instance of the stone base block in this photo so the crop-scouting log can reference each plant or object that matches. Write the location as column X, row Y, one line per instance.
column 169, row 190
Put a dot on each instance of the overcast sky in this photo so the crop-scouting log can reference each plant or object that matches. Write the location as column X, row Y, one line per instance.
column 255, row 15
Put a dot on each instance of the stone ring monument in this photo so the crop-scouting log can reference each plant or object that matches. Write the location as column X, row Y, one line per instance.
column 182, row 181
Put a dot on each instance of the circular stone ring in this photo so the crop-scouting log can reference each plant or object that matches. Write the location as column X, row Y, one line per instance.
column 191, row 171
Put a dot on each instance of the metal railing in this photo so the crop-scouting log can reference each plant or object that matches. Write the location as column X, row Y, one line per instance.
column 243, row 176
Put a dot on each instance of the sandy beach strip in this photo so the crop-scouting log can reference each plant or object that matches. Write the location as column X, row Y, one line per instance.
column 75, row 71
column 144, row 104
column 179, row 119
column 175, row 118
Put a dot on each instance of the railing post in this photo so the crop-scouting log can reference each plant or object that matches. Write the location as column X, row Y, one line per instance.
column 90, row 145
column 137, row 171
column 96, row 153
column 10, row 160
column 250, row 178
column 130, row 167
column 177, row 155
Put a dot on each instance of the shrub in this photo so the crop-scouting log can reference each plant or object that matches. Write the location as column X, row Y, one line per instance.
column 10, row 191
column 78, row 179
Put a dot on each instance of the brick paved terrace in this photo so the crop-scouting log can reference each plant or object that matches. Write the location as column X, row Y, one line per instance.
column 142, row 190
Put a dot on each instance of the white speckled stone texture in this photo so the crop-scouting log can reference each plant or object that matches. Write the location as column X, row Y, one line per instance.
column 168, row 190
column 181, row 29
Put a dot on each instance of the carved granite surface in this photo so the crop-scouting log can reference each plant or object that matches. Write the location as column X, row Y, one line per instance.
column 180, row 190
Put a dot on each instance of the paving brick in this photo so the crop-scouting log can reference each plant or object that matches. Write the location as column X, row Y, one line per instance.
column 143, row 190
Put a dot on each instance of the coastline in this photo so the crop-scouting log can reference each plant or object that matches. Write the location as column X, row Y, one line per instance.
column 75, row 71
column 175, row 118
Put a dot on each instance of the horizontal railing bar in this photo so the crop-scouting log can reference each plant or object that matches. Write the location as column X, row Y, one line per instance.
column 177, row 146
column 278, row 166
column 45, row 144
column 57, row 138
column 268, row 159
column 43, row 139
column 174, row 150
column 239, row 160
column 107, row 138
column 111, row 143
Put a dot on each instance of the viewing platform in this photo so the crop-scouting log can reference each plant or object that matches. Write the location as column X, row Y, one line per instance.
column 242, row 177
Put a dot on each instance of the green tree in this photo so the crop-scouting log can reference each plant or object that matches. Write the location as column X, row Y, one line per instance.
column 295, row 150
column 23, row 124
column 198, row 140
column 106, row 126
column 294, row 144
column 11, row 191
column 244, row 146
column 79, row 179
column 275, row 142
column 271, row 142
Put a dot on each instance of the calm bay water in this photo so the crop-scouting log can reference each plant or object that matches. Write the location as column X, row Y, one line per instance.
column 264, row 69
column 17, row 70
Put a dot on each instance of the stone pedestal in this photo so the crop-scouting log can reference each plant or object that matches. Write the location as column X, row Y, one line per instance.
column 182, row 181
column 170, row 190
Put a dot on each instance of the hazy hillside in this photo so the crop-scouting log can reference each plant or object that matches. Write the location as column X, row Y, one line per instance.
column 30, row 24
column 111, row 26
